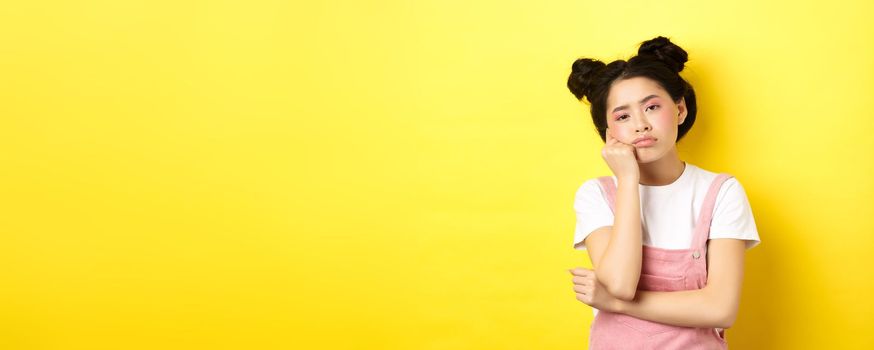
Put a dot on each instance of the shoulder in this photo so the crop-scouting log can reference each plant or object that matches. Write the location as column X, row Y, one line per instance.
column 733, row 215
column 590, row 191
column 731, row 198
column 590, row 185
column 704, row 178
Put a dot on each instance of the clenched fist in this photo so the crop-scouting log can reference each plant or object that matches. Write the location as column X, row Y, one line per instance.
column 621, row 158
column 591, row 292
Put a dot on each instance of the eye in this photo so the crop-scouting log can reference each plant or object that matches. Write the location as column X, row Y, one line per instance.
column 656, row 106
column 621, row 116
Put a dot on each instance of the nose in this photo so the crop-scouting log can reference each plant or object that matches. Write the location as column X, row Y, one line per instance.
column 641, row 124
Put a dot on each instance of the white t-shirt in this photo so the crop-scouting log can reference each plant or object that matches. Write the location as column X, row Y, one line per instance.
column 668, row 213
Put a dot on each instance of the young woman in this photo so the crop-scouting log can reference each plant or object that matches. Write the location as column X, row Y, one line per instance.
column 665, row 237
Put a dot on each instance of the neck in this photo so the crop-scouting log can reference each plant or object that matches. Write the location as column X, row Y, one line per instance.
column 663, row 171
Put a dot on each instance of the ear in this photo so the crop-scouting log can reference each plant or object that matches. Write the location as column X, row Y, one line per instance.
column 681, row 106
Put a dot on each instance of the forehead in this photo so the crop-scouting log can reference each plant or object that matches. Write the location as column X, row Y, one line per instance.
column 631, row 91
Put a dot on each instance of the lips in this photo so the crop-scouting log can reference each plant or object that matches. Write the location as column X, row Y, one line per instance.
column 644, row 141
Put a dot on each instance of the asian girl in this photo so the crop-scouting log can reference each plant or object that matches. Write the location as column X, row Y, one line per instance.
column 666, row 238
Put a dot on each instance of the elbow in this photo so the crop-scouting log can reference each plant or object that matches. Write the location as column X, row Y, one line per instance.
column 727, row 318
column 625, row 293
column 723, row 305
column 620, row 287
column 725, row 323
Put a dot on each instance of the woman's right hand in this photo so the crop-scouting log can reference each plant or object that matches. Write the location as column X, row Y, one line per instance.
column 621, row 158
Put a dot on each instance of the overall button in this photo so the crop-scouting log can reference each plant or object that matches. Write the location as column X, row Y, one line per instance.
column 696, row 255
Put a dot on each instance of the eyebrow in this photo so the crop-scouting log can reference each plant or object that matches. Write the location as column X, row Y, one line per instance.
column 641, row 102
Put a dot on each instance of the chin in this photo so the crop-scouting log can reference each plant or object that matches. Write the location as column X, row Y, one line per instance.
column 649, row 158
column 646, row 161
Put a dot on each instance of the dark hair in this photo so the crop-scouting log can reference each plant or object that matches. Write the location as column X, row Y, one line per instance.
column 658, row 59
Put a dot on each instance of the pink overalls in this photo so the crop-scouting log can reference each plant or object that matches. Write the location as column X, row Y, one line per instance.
column 663, row 270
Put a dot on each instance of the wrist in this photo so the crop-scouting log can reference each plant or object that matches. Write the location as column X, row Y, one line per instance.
column 628, row 179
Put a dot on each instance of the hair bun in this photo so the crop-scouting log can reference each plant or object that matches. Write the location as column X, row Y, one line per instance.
column 583, row 72
column 664, row 50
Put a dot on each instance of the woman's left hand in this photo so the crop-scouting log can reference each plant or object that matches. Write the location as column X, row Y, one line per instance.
column 591, row 292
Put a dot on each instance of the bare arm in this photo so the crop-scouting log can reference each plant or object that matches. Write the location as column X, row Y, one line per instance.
column 616, row 250
column 715, row 305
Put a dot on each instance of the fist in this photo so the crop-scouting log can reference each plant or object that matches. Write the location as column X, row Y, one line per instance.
column 621, row 158
column 591, row 292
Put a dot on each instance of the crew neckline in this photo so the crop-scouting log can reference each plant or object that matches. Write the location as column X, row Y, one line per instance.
column 686, row 173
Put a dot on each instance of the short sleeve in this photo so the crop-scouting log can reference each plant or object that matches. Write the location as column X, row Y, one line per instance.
column 733, row 216
column 592, row 211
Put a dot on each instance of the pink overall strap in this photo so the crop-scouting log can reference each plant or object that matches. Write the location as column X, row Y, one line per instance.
column 702, row 227
column 609, row 189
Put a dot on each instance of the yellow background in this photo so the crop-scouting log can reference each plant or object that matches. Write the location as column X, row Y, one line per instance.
column 400, row 174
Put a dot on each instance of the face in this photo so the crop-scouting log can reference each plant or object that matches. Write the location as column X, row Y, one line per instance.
column 640, row 107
